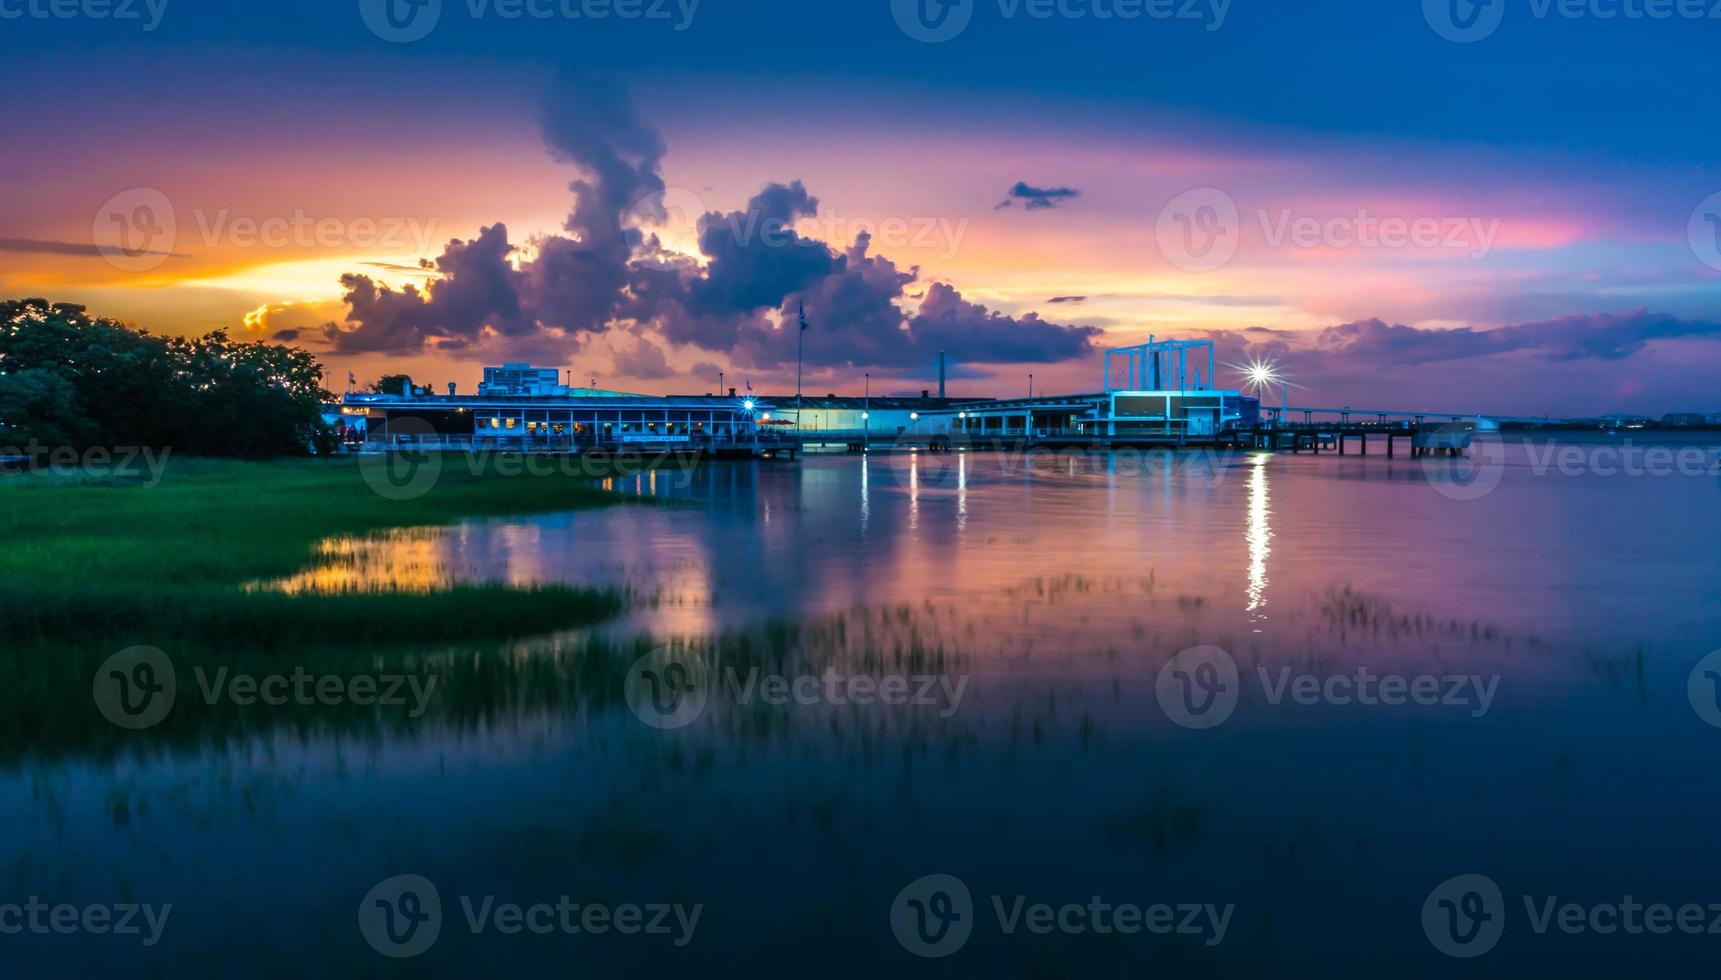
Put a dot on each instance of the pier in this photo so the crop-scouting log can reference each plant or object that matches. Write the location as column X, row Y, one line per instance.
column 1158, row 394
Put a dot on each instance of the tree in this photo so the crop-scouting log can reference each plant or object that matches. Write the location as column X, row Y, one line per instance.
column 67, row 379
column 392, row 384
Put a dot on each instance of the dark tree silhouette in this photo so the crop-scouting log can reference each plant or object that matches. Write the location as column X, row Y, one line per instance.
column 69, row 379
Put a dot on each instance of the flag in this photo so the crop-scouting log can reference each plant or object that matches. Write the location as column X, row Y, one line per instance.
column 351, row 379
column 803, row 318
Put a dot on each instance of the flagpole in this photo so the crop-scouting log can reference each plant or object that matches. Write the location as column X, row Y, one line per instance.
column 800, row 344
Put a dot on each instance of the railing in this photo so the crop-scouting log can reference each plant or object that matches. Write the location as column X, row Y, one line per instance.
column 574, row 444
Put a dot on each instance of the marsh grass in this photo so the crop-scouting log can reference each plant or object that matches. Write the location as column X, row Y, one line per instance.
column 118, row 558
column 46, row 708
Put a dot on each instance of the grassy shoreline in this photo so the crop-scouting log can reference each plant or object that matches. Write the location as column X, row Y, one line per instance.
column 169, row 561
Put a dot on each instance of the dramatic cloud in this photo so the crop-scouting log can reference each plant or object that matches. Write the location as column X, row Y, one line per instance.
column 741, row 296
column 643, row 360
column 483, row 296
column 946, row 321
column 1067, row 299
column 757, row 259
column 1038, row 198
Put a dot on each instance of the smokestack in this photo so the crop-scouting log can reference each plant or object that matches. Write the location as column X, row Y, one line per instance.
column 451, row 389
column 940, row 374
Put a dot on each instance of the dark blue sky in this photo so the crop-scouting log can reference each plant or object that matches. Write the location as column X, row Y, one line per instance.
column 1570, row 155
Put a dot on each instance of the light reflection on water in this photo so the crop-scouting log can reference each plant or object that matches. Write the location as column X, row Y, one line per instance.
column 1060, row 590
column 737, row 545
column 1260, row 536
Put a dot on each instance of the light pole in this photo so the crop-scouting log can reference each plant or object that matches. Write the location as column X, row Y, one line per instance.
column 866, row 415
column 1029, row 419
column 800, row 344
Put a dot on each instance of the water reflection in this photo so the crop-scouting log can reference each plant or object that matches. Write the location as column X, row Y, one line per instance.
column 1260, row 537
column 741, row 543
column 1060, row 591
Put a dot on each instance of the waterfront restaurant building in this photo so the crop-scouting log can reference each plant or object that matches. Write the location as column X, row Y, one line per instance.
column 578, row 420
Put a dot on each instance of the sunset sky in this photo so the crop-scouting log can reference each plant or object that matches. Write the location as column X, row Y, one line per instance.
column 1561, row 175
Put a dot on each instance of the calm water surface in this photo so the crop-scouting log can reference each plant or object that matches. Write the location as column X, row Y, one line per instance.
column 1053, row 594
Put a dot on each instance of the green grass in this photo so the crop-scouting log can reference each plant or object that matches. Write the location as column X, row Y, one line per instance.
column 115, row 557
